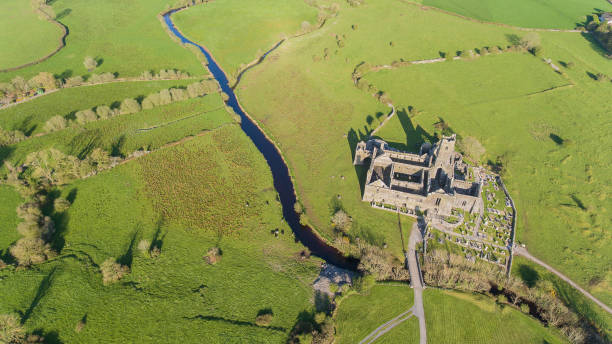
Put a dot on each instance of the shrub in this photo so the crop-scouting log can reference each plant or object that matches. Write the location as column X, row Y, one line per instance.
column 213, row 256
column 90, row 63
column 104, row 112
column 264, row 319
column 320, row 317
column 44, row 80
column 144, row 245
column 178, row 94
column 297, row 207
column 165, row 97
column 342, row 221
column 60, row 205
column 79, row 326
column 129, row 106
column 146, row 75
column 28, row 251
column 99, row 159
column 105, row 77
column 11, row 330
column 472, row 147
column 55, row 123
column 196, row 90
column 602, row 77
column 525, row 308
column 501, row 299
column 112, row 271
column 364, row 283
column 10, row 137
column 530, row 41
column 85, row 116
column 151, row 101
column 74, row 81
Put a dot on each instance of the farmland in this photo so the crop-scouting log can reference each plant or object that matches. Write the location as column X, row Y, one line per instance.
column 113, row 211
column 477, row 319
column 565, row 14
column 25, row 37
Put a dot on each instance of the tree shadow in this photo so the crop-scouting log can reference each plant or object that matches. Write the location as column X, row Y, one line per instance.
column 528, row 275
column 117, row 146
column 127, row 258
column 234, row 322
column 99, row 61
column 265, row 311
column 64, row 75
column 594, row 43
column 58, row 240
column 305, row 323
column 83, row 144
column 415, row 136
column 63, row 14
column 51, row 337
column 43, row 287
column 556, row 139
column 5, row 153
column 322, row 302
column 591, row 75
column 26, row 126
column 513, row 39
column 158, row 238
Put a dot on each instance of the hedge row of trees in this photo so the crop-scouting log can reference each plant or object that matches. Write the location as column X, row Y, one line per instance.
column 602, row 31
column 19, row 87
column 447, row 270
column 34, row 179
column 129, row 105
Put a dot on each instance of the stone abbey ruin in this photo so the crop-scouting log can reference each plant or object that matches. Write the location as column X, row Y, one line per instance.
column 434, row 181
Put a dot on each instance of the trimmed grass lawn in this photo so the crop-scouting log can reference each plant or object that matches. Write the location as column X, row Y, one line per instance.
column 177, row 296
column 554, row 142
column 237, row 32
column 454, row 317
column 358, row 315
column 309, row 105
column 126, row 36
column 123, row 134
column 30, row 117
column 24, row 36
column 561, row 14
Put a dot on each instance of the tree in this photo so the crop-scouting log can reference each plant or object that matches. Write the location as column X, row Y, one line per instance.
column 165, row 97
column 10, row 137
column 151, row 101
column 90, row 63
column 129, row 106
column 264, row 319
column 55, row 123
column 74, row 81
column 112, row 271
column 11, row 330
column 99, row 159
column 60, row 205
column 196, row 90
column 530, row 41
column 104, row 112
column 178, row 94
column 472, row 147
column 29, row 251
column 85, row 116
column 53, row 167
column 341, row 221
column 20, row 84
column 44, row 80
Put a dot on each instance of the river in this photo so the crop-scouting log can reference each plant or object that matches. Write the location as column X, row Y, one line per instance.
column 280, row 172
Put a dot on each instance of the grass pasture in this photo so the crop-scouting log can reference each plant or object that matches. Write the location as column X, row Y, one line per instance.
column 8, row 216
column 454, row 317
column 358, row 315
column 24, row 36
column 564, row 14
column 124, row 37
column 177, row 296
column 237, row 32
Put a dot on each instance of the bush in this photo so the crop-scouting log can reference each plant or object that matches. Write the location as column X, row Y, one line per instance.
column 501, row 299
column 146, row 75
column 90, row 63
column 151, row 101
column 60, row 205
column 129, row 106
column 112, row 271
column 144, row 245
column 74, row 81
column 55, row 123
column 44, row 80
column 104, row 112
column 11, row 330
column 105, row 77
column 297, row 207
column 341, row 221
column 196, row 90
column 525, row 308
column 178, row 94
column 213, row 256
column 10, row 137
column 264, row 319
column 165, row 97
column 320, row 317
column 364, row 283
column 29, row 251
column 85, row 116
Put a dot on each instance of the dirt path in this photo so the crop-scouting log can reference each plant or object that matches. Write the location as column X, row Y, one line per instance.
column 523, row 252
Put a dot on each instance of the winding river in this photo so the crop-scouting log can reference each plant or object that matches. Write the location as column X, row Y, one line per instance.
column 280, row 172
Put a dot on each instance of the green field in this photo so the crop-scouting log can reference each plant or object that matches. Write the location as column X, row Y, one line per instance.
column 177, row 296
column 126, row 37
column 454, row 317
column 560, row 14
column 24, row 36
column 358, row 315
column 8, row 217
column 238, row 32
column 30, row 117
